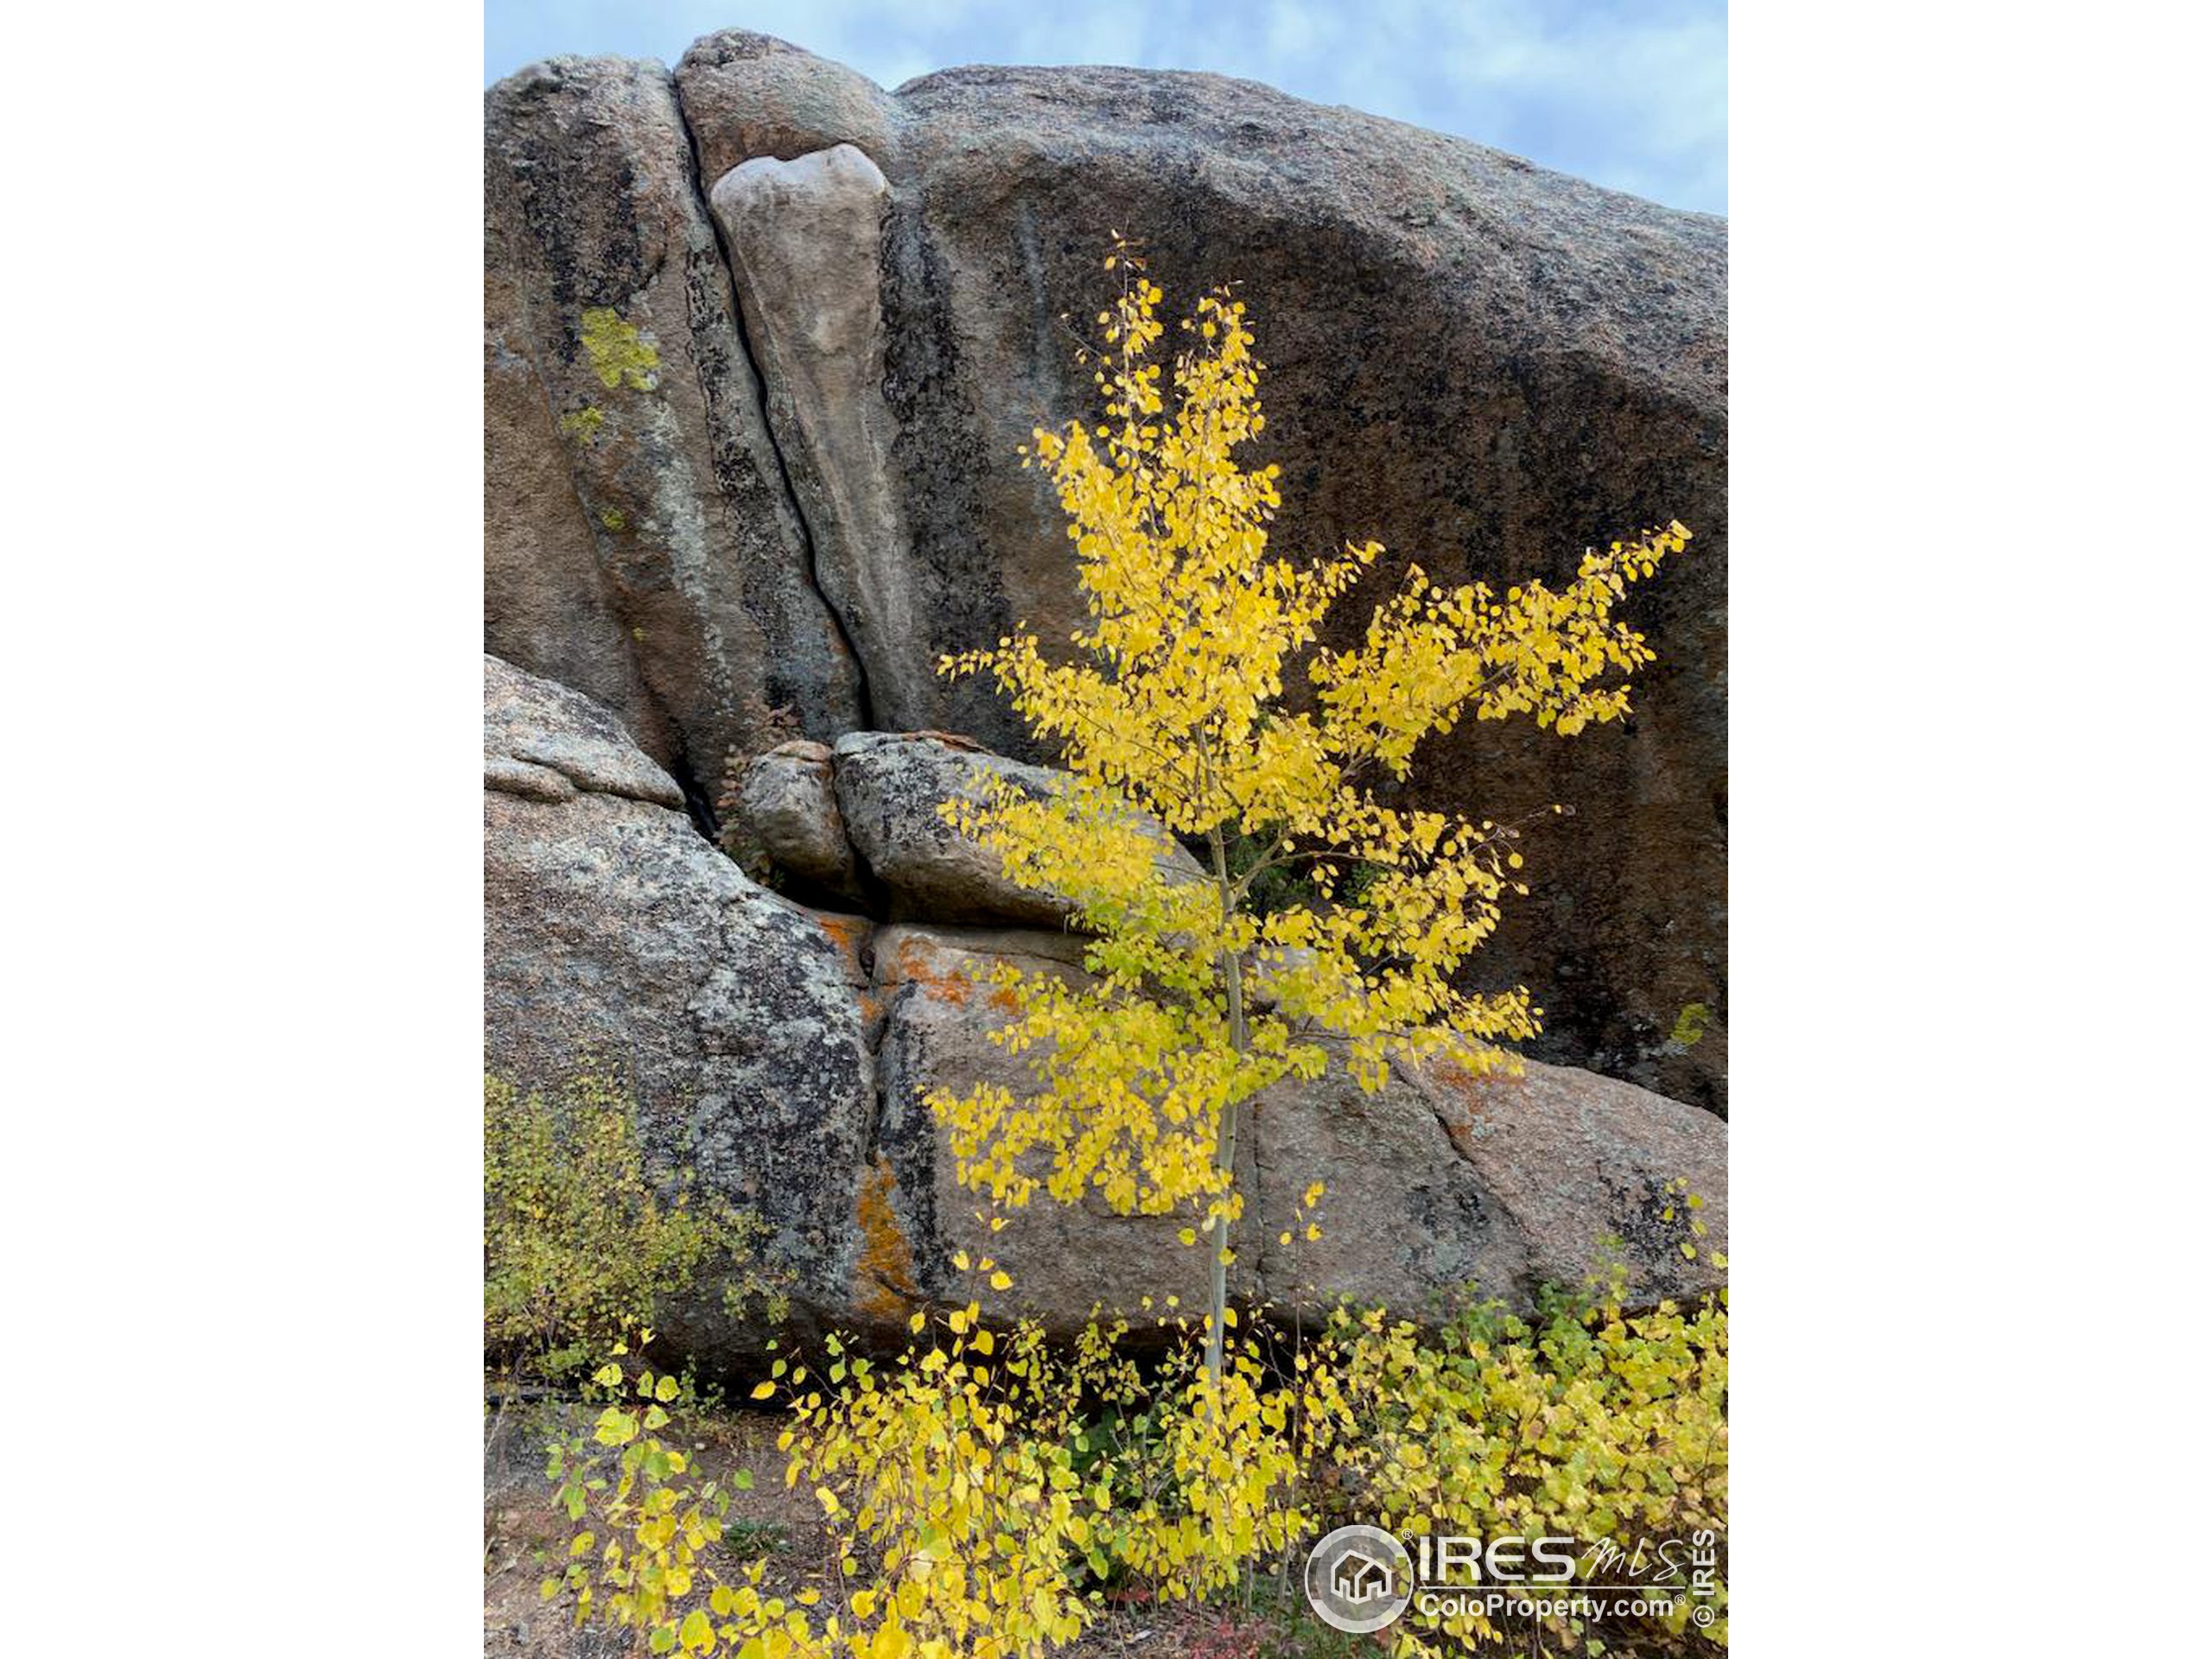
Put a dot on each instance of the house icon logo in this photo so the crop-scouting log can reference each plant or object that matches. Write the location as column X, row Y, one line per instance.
column 1358, row 1578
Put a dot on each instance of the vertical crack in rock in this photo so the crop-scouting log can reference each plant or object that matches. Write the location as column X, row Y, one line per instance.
column 606, row 269
column 809, row 536
column 899, row 1248
column 876, row 1009
column 804, row 241
column 698, row 804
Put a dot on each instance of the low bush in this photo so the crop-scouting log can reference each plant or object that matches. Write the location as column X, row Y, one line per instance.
column 581, row 1245
column 1596, row 1423
column 986, row 1495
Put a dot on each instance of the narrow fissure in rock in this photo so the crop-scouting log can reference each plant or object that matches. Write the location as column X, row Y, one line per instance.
column 806, row 527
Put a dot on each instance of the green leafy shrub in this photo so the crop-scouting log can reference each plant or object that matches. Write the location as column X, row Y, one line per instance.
column 580, row 1245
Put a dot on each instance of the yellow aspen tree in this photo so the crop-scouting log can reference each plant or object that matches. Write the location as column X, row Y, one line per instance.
column 1174, row 703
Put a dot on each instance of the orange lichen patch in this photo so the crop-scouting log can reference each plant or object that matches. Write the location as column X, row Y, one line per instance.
column 917, row 963
column 883, row 1276
column 1450, row 1074
column 848, row 933
column 1476, row 1087
column 1471, row 1110
column 1453, row 1076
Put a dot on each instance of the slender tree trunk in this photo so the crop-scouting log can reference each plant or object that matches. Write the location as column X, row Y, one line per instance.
column 1225, row 1152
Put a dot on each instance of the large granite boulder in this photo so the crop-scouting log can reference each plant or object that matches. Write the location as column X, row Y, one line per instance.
column 862, row 822
column 616, row 936
column 1439, row 1189
column 787, row 807
column 1485, row 366
column 890, row 785
column 1582, row 1165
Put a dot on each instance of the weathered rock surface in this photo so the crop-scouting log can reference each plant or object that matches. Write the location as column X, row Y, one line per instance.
column 545, row 740
column 1485, row 366
column 784, row 1053
column 1404, row 1221
column 746, row 95
column 806, row 238
column 671, row 578
column 890, row 785
column 1437, row 1188
column 1580, row 1164
column 546, row 600
column 614, row 933
column 788, row 798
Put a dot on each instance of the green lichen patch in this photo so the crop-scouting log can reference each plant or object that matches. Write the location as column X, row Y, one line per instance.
column 620, row 355
column 584, row 424
column 1690, row 1024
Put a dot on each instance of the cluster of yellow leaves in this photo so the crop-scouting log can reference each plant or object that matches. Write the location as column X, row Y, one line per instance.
column 968, row 1495
column 1173, row 705
column 946, row 1471
column 1218, row 1482
column 641, row 1556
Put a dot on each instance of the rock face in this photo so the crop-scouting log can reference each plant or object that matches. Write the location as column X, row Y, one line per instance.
column 783, row 1054
column 788, row 798
column 544, row 741
column 670, row 579
column 1579, row 1161
column 1485, row 366
column 806, row 240
column 614, row 932
column 890, row 785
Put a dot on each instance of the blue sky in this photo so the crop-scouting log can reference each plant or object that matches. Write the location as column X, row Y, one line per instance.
column 1629, row 94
